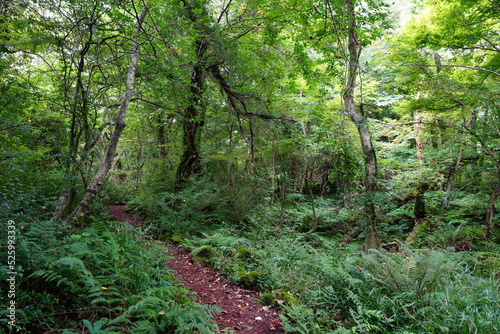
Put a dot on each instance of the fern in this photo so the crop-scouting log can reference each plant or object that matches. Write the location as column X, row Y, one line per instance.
column 187, row 320
column 103, row 265
column 95, row 328
column 69, row 271
column 417, row 272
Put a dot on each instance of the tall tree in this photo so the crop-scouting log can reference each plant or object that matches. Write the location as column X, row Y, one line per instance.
column 85, row 67
column 85, row 205
column 359, row 119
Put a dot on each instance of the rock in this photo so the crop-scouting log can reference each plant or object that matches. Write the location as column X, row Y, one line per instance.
column 204, row 254
column 177, row 238
column 278, row 298
column 250, row 279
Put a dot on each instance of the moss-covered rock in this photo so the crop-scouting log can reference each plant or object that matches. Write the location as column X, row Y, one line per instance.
column 204, row 254
column 278, row 298
column 177, row 238
column 233, row 271
column 250, row 279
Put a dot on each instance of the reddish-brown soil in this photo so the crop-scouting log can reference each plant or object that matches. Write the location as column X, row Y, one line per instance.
column 240, row 311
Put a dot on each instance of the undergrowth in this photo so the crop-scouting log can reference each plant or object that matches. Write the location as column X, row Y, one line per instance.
column 321, row 286
column 104, row 278
column 319, row 283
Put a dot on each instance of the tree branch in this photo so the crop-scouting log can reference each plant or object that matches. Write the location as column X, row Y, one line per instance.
column 224, row 11
column 233, row 97
column 461, row 66
column 13, row 126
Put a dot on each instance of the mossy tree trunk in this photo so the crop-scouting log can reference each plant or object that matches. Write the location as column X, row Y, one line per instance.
column 356, row 116
column 192, row 121
column 193, row 115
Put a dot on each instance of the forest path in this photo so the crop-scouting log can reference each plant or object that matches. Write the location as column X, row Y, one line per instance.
column 241, row 313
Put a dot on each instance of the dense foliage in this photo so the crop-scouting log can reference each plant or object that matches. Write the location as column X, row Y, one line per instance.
column 105, row 274
column 339, row 156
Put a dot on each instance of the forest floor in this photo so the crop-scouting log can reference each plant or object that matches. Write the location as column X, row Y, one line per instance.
column 241, row 313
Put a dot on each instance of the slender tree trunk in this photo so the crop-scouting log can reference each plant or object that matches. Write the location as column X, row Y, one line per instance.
column 490, row 212
column 419, row 207
column 458, row 163
column 79, row 124
column 451, row 179
column 356, row 116
column 85, row 206
column 160, row 138
column 313, row 207
column 418, row 130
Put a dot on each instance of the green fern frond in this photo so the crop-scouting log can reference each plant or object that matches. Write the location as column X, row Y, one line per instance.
column 50, row 276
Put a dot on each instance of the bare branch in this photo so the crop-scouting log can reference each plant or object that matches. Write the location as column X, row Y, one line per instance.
column 224, row 11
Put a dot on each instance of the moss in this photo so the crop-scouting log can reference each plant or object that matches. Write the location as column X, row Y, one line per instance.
column 418, row 234
column 177, row 238
column 242, row 252
column 278, row 298
column 233, row 271
column 204, row 254
column 250, row 279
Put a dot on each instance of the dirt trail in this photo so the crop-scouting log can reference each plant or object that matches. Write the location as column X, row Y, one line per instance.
column 241, row 313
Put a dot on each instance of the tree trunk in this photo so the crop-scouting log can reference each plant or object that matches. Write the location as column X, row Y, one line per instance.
column 65, row 202
column 79, row 124
column 356, row 116
column 419, row 207
column 85, row 206
column 458, row 163
column 418, row 130
column 490, row 212
column 451, row 179
column 192, row 121
column 160, row 138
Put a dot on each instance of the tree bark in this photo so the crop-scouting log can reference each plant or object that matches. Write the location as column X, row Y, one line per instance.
column 160, row 138
column 85, row 206
column 419, row 207
column 356, row 116
column 79, row 124
column 458, row 163
column 418, row 130
column 490, row 212
column 192, row 121
column 451, row 179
